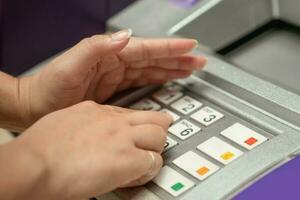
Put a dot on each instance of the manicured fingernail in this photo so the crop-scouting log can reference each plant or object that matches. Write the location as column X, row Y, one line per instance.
column 196, row 44
column 200, row 67
column 170, row 117
column 121, row 35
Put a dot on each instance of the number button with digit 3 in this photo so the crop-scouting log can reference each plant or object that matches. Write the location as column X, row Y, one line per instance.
column 186, row 105
column 207, row 116
column 184, row 129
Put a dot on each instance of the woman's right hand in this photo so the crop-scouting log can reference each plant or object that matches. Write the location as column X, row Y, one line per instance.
column 89, row 149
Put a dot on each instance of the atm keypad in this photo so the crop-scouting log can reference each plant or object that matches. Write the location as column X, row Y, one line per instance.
column 192, row 116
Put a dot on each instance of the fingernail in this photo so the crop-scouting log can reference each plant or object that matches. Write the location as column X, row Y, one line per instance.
column 121, row 35
column 200, row 67
column 170, row 117
column 196, row 44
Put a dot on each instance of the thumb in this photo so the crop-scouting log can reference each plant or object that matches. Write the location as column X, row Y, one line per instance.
column 88, row 52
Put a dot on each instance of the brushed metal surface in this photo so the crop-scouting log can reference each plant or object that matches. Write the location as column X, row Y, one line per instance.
column 274, row 56
column 257, row 101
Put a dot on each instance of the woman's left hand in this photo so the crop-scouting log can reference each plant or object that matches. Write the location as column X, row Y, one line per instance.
column 102, row 65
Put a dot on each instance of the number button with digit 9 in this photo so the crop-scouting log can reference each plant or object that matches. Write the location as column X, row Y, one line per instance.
column 207, row 116
column 186, row 105
column 184, row 129
column 170, row 143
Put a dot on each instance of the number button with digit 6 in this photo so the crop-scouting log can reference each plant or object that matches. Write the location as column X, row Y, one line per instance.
column 184, row 129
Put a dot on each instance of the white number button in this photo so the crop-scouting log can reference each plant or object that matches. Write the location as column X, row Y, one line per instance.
column 170, row 143
column 175, row 116
column 145, row 104
column 184, row 129
column 243, row 136
column 167, row 95
column 195, row 165
column 172, row 182
column 207, row 116
column 186, row 105
column 220, row 150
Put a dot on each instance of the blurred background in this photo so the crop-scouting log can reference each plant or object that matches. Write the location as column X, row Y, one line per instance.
column 34, row 30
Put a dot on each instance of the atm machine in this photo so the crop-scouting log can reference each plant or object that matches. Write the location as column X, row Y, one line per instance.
column 238, row 121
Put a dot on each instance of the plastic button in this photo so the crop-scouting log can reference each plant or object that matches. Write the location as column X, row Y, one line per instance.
column 220, row 150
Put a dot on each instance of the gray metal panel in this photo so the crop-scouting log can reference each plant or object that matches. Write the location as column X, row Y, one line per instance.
column 255, row 100
column 289, row 10
column 275, row 51
column 242, row 172
column 151, row 17
column 226, row 21
column 276, row 96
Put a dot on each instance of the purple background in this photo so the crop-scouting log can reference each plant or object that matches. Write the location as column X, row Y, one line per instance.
column 185, row 3
column 34, row 30
column 281, row 184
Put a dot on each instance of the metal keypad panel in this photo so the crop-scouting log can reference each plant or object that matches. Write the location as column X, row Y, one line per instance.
column 203, row 139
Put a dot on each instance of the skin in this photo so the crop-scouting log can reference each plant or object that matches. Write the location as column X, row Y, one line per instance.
column 98, row 67
column 59, row 158
column 73, row 147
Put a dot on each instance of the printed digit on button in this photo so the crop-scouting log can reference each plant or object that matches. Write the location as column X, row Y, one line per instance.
column 170, row 143
column 184, row 129
column 207, row 116
column 186, row 105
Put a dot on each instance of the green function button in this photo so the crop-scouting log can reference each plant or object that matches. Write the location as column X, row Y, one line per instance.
column 177, row 186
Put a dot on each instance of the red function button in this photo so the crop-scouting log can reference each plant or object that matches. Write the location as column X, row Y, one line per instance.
column 251, row 141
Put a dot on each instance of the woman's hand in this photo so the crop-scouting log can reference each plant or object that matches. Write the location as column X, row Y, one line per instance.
column 83, row 151
column 102, row 65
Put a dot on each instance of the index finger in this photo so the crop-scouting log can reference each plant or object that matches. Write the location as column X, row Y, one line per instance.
column 150, row 117
column 146, row 49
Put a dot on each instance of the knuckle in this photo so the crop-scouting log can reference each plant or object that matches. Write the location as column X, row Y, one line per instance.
column 145, row 50
column 91, row 43
column 89, row 104
column 107, row 108
column 160, row 130
column 125, row 150
column 161, row 135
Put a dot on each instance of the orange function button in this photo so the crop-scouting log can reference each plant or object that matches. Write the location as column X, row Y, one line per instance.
column 202, row 171
column 251, row 141
column 227, row 156
column 195, row 165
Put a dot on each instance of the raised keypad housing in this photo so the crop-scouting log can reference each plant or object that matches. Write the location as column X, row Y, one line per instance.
column 213, row 138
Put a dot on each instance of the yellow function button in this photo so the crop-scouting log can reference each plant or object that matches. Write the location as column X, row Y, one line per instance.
column 202, row 171
column 227, row 156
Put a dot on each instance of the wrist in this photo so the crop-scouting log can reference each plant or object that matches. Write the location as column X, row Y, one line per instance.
column 24, row 97
column 26, row 173
column 22, row 174
column 11, row 107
